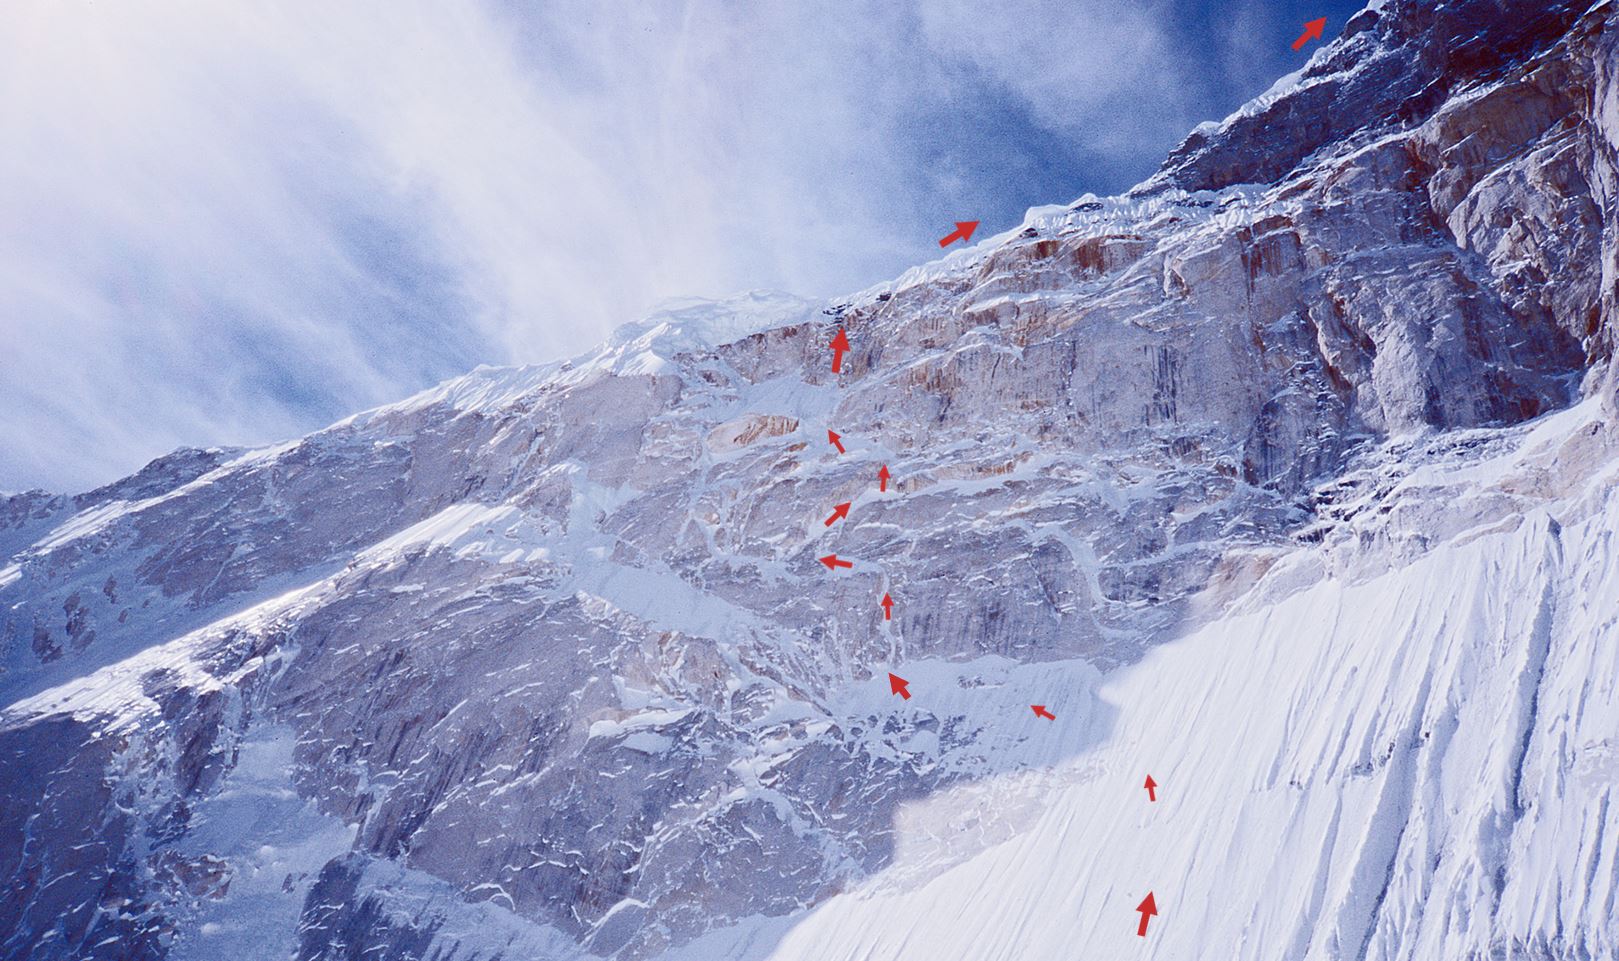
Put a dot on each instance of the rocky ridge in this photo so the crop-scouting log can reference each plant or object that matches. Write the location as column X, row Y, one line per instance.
column 549, row 649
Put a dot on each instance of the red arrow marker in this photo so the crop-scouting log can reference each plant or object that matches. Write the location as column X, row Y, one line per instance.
column 1040, row 711
column 1148, row 907
column 833, row 562
column 882, row 478
column 888, row 608
column 839, row 344
column 838, row 513
column 898, row 684
column 835, row 439
column 964, row 230
column 1312, row 31
column 1151, row 787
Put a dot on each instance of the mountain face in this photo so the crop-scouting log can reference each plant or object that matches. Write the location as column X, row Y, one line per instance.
column 1290, row 478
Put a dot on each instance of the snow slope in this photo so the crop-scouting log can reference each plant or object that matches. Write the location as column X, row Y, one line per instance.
column 1405, row 767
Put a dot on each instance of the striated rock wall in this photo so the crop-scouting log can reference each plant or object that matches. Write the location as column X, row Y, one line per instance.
column 557, row 639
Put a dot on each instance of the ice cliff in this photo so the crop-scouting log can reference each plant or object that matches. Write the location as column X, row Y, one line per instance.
column 1290, row 478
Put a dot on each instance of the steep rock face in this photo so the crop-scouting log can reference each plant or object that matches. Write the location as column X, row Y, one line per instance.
column 553, row 646
column 1418, row 764
column 1503, row 111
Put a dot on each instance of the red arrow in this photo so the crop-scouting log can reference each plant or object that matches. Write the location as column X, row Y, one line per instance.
column 898, row 684
column 1312, row 31
column 964, row 230
column 888, row 608
column 833, row 562
column 839, row 344
column 839, row 512
column 1040, row 711
column 1148, row 907
column 882, row 478
column 1151, row 786
column 836, row 440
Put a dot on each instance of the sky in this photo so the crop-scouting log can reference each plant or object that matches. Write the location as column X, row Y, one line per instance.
column 232, row 224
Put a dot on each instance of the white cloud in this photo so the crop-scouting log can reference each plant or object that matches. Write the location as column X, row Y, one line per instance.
column 1100, row 69
column 227, row 223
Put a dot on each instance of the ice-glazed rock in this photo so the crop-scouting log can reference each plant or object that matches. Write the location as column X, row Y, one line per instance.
column 556, row 663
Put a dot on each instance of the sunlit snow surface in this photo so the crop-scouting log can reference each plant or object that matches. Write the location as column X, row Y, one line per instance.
column 1336, row 760
column 1379, row 769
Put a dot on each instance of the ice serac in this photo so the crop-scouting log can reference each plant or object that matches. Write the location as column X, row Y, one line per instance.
column 1287, row 476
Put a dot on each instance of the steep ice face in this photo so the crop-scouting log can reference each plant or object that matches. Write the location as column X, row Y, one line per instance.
column 558, row 671
column 1417, row 765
